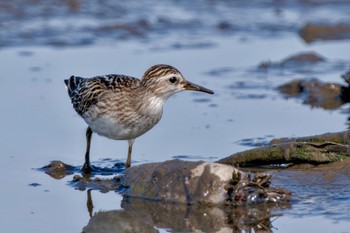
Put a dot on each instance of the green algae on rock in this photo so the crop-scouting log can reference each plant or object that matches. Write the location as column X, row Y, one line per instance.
column 319, row 149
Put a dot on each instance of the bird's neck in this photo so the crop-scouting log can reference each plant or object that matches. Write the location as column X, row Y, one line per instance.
column 151, row 104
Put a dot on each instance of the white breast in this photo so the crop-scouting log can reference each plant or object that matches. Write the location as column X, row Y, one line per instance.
column 155, row 106
column 109, row 128
column 108, row 125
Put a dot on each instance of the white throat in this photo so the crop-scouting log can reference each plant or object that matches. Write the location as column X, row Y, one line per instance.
column 155, row 105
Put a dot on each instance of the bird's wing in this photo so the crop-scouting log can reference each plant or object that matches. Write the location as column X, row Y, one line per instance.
column 85, row 92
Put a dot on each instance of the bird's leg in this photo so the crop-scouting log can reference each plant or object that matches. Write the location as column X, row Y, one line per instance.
column 87, row 166
column 128, row 160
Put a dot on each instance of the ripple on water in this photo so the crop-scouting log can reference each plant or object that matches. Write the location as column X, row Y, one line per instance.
column 314, row 193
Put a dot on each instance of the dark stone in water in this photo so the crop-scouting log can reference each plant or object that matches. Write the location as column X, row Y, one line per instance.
column 58, row 169
column 97, row 183
column 297, row 61
column 303, row 59
column 316, row 93
column 314, row 32
column 346, row 76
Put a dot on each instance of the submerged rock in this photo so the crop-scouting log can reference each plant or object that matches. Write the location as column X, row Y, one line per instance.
column 199, row 183
column 346, row 76
column 103, row 185
column 303, row 59
column 315, row 32
column 58, row 169
column 315, row 93
column 300, row 62
column 345, row 91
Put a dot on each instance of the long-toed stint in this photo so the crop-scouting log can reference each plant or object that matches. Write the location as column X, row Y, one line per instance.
column 122, row 107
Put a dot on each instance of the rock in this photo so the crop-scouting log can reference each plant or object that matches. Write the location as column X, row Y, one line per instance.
column 299, row 61
column 345, row 91
column 103, row 185
column 314, row 150
column 200, row 182
column 58, row 170
column 346, row 76
column 292, row 88
column 304, row 58
column 315, row 32
column 342, row 137
column 316, row 93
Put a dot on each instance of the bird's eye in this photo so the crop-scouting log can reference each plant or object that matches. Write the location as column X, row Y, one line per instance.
column 173, row 79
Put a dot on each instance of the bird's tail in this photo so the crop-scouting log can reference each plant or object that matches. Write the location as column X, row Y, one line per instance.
column 73, row 83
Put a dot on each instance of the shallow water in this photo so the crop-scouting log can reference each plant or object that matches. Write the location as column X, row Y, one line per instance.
column 38, row 124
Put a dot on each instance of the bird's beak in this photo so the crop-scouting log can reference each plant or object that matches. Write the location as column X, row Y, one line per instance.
column 194, row 87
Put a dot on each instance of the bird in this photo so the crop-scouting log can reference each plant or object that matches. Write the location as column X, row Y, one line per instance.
column 122, row 107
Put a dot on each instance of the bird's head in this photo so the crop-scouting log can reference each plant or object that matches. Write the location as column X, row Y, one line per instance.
column 165, row 80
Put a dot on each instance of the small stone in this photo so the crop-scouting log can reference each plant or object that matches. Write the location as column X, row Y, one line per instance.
column 77, row 178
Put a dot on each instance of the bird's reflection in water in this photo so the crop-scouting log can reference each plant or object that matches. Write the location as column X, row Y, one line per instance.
column 89, row 204
column 139, row 215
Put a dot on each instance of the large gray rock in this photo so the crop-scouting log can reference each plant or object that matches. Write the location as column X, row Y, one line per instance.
column 199, row 183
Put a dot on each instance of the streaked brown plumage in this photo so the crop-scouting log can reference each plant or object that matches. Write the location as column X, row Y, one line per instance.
column 122, row 107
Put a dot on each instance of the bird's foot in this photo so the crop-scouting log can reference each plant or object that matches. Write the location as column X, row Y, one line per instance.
column 95, row 170
column 87, row 168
